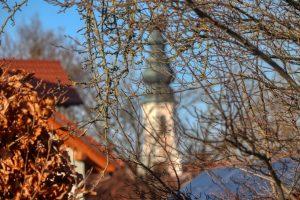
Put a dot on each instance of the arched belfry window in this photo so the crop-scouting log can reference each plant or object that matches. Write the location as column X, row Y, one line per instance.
column 162, row 125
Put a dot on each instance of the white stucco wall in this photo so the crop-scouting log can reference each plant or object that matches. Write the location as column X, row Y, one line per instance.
column 79, row 167
column 160, row 145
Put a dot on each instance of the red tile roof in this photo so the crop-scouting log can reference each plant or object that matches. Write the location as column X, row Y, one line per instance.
column 50, row 72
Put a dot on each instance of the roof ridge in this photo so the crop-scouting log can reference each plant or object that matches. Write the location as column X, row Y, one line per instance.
column 29, row 60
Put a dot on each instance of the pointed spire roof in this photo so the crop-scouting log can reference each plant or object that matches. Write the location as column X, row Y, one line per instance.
column 158, row 68
column 158, row 74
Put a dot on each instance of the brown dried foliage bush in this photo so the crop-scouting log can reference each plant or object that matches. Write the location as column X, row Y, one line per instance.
column 33, row 165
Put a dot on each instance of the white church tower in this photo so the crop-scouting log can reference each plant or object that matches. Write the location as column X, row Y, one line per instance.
column 159, row 150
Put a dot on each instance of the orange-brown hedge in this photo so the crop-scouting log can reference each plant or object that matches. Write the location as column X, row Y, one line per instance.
column 32, row 164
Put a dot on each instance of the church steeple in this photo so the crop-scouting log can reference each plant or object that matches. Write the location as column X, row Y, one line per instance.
column 158, row 74
column 158, row 107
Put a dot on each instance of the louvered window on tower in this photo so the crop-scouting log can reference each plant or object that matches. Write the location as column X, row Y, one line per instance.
column 162, row 125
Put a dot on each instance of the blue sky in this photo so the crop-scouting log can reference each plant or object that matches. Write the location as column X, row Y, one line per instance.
column 51, row 19
column 49, row 16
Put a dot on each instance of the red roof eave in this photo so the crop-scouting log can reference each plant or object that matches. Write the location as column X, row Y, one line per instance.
column 76, row 143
